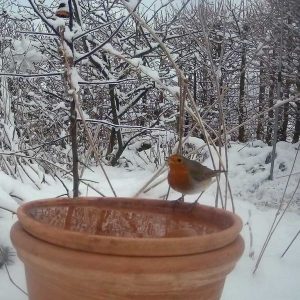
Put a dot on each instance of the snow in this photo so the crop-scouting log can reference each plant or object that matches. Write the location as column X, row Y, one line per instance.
column 131, row 3
column 256, row 201
column 136, row 61
column 151, row 73
column 75, row 78
column 24, row 54
column 219, row 72
column 67, row 50
column 259, row 49
column 56, row 23
column 109, row 48
column 68, row 34
column 175, row 90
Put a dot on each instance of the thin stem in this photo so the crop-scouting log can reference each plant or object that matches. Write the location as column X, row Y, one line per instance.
column 31, row 75
column 122, row 126
column 9, row 210
column 104, row 43
column 275, row 130
column 183, row 87
column 90, row 138
column 274, row 224
column 10, row 278
column 73, row 115
column 76, row 37
column 156, row 174
column 73, row 133
column 290, row 244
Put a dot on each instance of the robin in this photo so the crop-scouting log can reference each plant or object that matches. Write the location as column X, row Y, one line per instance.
column 189, row 176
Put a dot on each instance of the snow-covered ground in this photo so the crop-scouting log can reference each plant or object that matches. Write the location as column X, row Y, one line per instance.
column 256, row 200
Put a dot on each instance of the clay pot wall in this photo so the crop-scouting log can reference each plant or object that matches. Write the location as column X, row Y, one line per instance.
column 114, row 248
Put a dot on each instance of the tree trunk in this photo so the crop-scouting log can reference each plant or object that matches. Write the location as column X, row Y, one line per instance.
column 241, row 105
column 74, row 143
column 261, row 100
column 296, row 134
column 195, row 80
column 205, row 88
column 282, row 133
column 115, row 133
column 270, row 112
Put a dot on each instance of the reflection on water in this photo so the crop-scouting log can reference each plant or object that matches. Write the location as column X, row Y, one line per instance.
column 122, row 223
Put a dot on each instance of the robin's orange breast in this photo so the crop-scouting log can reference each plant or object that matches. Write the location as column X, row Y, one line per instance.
column 180, row 181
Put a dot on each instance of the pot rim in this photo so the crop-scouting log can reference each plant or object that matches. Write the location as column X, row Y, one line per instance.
column 129, row 246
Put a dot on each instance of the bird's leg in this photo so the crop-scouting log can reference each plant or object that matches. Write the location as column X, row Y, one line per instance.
column 179, row 200
column 167, row 196
column 196, row 201
column 194, row 204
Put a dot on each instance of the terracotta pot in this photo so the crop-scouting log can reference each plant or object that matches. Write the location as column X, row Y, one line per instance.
column 121, row 248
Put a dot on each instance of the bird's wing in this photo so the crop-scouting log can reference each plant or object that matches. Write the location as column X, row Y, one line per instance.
column 200, row 172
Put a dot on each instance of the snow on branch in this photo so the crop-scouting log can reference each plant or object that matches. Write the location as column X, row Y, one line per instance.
column 53, row 24
column 31, row 75
column 109, row 124
column 104, row 43
column 106, row 82
column 137, row 63
column 79, row 35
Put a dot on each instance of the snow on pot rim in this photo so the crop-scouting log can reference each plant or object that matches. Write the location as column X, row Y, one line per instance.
column 183, row 238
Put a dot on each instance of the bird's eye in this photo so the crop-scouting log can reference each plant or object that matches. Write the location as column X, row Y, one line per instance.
column 179, row 159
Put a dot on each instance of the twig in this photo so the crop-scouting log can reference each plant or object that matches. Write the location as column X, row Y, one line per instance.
column 35, row 158
column 90, row 138
column 182, row 98
column 89, row 152
column 76, row 37
column 290, row 244
column 297, row 173
column 249, row 224
column 156, row 174
column 278, row 104
column 9, row 210
column 93, row 188
column 274, row 224
column 105, row 42
column 122, row 126
column 17, row 197
column 44, row 144
column 89, row 180
column 36, row 33
column 107, row 82
column 168, row 193
column 32, row 180
column 62, row 195
column 273, row 156
column 64, row 185
column 10, row 278
column 155, row 185
column 68, row 64
column 31, row 75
